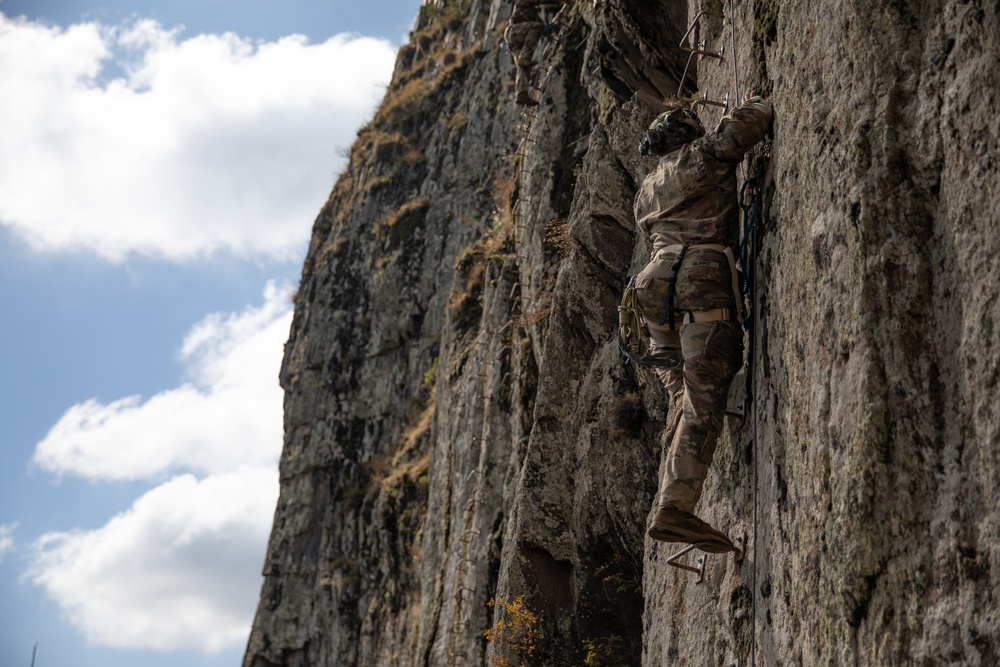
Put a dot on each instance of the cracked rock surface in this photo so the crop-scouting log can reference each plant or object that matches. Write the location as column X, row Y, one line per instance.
column 460, row 429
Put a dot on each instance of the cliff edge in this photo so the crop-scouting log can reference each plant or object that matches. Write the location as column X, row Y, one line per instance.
column 468, row 466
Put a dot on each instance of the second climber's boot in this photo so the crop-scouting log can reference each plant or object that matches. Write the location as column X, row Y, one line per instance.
column 526, row 99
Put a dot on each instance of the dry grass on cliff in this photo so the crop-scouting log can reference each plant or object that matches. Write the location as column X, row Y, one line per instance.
column 557, row 235
column 408, row 462
column 392, row 148
column 436, row 52
column 392, row 230
column 495, row 243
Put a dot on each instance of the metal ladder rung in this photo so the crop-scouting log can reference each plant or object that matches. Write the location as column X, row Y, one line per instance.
column 700, row 570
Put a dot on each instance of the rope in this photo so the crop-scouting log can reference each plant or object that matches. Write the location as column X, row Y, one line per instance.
column 736, row 71
column 751, row 212
column 631, row 330
column 736, row 74
column 752, row 373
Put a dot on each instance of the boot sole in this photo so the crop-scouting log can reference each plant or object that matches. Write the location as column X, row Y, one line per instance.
column 713, row 544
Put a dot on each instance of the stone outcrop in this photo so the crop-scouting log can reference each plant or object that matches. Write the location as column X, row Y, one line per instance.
column 464, row 447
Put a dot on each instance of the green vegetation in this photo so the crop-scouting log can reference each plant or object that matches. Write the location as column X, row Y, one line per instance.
column 603, row 652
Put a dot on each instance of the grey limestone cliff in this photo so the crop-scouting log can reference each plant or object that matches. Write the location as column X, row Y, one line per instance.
column 465, row 450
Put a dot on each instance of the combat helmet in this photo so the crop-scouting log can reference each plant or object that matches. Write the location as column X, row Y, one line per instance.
column 670, row 130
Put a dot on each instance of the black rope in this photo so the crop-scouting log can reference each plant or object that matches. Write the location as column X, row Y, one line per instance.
column 749, row 243
column 750, row 212
column 748, row 267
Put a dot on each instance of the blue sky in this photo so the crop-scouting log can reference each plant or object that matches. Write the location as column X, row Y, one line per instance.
column 160, row 171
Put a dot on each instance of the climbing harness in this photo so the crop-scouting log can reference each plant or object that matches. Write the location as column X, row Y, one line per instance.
column 699, row 316
column 633, row 329
column 633, row 337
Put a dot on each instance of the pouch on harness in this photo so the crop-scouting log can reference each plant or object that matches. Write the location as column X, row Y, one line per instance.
column 654, row 290
column 633, row 337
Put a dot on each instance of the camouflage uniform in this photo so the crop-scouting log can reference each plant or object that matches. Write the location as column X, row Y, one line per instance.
column 688, row 208
column 522, row 34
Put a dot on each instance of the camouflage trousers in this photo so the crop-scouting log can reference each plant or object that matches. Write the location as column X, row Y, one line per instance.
column 698, row 393
column 522, row 38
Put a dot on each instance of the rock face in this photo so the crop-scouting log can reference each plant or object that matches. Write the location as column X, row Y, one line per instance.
column 464, row 449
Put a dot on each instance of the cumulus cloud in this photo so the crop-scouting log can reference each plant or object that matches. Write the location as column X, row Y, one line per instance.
column 186, row 147
column 229, row 414
column 6, row 538
column 179, row 569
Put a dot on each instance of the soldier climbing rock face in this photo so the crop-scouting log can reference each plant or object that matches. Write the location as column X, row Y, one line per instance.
column 523, row 31
column 689, row 298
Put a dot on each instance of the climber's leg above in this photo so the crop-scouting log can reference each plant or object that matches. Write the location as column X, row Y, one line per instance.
column 525, row 65
column 522, row 86
column 522, row 36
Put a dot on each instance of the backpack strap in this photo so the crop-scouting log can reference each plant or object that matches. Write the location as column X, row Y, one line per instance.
column 668, row 311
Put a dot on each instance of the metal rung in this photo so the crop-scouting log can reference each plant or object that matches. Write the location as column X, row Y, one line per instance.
column 700, row 570
column 741, row 552
column 700, row 48
column 742, row 416
column 702, row 51
column 698, row 99
column 696, row 96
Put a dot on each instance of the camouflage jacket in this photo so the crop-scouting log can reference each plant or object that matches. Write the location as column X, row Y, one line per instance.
column 690, row 199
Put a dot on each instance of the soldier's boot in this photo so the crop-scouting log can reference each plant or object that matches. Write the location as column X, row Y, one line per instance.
column 674, row 525
column 525, row 98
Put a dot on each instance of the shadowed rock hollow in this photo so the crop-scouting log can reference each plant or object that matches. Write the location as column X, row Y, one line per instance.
column 460, row 428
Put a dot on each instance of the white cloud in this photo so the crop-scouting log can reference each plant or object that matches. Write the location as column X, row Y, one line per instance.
column 228, row 415
column 179, row 570
column 206, row 144
column 6, row 538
